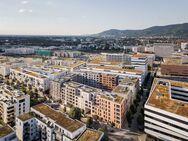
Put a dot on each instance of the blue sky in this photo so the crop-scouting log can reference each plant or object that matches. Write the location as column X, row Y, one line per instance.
column 77, row 17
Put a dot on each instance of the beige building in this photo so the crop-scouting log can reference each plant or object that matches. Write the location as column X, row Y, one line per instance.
column 111, row 106
column 12, row 103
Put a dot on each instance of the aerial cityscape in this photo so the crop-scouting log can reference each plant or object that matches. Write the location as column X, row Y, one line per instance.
column 103, row 70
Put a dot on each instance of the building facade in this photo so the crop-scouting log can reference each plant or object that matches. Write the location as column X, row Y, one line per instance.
column 166, row 110
column 12, row 103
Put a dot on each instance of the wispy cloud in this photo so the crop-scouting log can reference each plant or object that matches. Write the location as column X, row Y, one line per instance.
column 25, row 11
column 21, row 10
column 24, row 2
column 30, row 11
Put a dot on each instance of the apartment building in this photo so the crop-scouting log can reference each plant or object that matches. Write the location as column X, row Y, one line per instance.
column 67, row 54
column 97, row 80
column 177, row 66
column 12, row 103
column 70, row 64
column 140, row 62
column 46, row 124
column 166, row 110
column 19, row 51
column 121, row 73
column 163, row 49
column 111, row 106
column 55, row 86
column 121, row 57
column 110, row 109
column 7, row 133
column 36, row 76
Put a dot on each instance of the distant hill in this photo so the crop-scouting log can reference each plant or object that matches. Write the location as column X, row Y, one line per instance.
column 175, row 30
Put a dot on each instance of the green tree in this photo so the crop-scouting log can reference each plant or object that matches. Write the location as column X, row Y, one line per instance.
column 105, row 137
column 149, row 68
column 140, row 119
column 75, row 113
column 133, row 109
column 89, row 122
column 129, row 118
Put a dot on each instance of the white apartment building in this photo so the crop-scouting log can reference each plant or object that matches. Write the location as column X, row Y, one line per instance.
column 46, row 124
column 166, row 110
column 12, row 103
column 55, row 86
column 38, row 77
column 117, row 57
column 20, row 51
column 122, row 73
column 163, row 49
column 140, row 62
column 184, row 46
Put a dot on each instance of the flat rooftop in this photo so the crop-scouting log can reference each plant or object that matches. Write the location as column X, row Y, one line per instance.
column 118, row 69
column 129, row 81
column 59, row 118
column 121, row 90
column 113, row 97
column 174, row 61
column 161, row 97
column 90, row 135
column 5, row 130
column 25, row 117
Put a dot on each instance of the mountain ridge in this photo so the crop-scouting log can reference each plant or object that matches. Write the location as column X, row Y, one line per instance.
column 173, row 30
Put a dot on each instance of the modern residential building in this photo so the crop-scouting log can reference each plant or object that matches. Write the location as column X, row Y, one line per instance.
column 67, row 54
column 125, row 58
column 176, row 66
column 46, row 124
column 19, row 51
column 36, row 76
column 121, row 73
column 91, row 135
column 111, row 107
column 12, row 103
column 7, row 133
column 163, row 49
column 56, row 85
column 184, row 46
column 140, row 62
column 70, row 64
column 97, row 80
column 166, row 110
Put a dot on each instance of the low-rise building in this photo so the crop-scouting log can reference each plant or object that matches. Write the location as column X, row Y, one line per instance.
column 19, row 51
column 12, row 103
column 166, row 110
column 177, row 66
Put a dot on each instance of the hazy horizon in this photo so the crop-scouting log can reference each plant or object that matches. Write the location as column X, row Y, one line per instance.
column 82, row 17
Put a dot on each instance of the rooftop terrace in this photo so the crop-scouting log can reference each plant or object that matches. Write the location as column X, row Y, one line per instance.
column 25, row 117
column 59, row 118
column 5, row 130
column 174, row 61
column 90, row 135
column 160, row 97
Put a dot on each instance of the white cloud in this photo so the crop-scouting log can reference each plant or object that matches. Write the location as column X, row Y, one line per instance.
column 25, row 11
column 24, row 2
column 30, row 11
column 22, row 10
